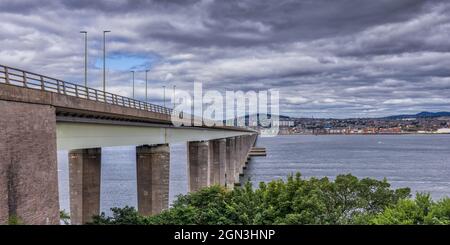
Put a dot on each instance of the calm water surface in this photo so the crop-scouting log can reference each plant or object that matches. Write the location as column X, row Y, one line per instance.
column 421, row 162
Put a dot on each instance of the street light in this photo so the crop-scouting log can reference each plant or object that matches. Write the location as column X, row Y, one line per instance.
column 174, row 86
column 146, row 97
column 164, row 95
column 133, row 83
column 104, row 60
column 85, row 57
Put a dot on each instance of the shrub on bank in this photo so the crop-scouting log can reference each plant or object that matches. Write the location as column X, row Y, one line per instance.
column 346, row 200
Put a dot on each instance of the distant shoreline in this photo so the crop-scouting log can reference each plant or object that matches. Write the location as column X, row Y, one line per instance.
column 365, row 134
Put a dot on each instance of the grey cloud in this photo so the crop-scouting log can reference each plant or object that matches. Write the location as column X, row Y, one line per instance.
column 327, row 58
column 251, row 23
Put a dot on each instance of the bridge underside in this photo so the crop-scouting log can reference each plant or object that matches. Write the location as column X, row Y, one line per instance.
column 74, row 135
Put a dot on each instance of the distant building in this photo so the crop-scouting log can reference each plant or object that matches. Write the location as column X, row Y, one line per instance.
column 337, row 131
column 443, row 131
column 287, row 123
column 394, row 130
column 423, row 132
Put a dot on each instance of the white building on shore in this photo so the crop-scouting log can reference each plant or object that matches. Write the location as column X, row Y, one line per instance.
column 443, row 131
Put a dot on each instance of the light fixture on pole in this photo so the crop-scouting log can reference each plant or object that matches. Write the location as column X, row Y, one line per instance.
column 133, row 83
column 174, row 86
column 104, row 60
column 164, row 95
column 146, row 86
column 85, row 57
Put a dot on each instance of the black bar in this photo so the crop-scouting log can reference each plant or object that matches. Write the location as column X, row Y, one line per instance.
column 227, row 234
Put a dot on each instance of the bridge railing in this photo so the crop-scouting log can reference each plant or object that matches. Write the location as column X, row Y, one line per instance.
column 21, row 78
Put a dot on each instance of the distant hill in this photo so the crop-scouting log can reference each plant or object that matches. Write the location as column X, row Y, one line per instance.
column 423, row 114
column 281, row 117
column 246, row 118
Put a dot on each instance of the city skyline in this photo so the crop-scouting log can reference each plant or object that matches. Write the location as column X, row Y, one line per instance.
column 328, row 59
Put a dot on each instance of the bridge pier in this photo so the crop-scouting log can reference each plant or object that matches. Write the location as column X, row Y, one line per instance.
column 241, row 163
column 84, row 184
column 244, row 144
column 248, row 145
column 237, row 160
column 153, row 166
column 198, row 158
column 28, row 168
column 217, row 161
column 230, row 162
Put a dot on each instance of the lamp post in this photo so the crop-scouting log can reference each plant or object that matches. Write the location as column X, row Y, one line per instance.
column 174, row 86
column 85, row 57
column 104, row 60
column 146, row 86
column 132, row 72
column 164, row 95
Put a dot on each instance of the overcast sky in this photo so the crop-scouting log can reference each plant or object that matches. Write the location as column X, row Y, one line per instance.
column 328, row 58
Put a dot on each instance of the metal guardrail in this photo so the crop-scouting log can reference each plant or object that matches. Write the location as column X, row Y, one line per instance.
column 21, row 78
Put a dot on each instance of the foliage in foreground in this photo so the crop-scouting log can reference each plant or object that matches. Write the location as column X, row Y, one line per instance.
column 14, row 220
column 64, row 217
column 346, row 200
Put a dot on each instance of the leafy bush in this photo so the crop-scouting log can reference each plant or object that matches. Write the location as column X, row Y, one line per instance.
column 121, row 216
column 64, row 217
column 346, row 200
column 14, row 220
column 420, row 211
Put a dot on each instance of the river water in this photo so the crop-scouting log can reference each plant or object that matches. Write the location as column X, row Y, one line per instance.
column 421, row 162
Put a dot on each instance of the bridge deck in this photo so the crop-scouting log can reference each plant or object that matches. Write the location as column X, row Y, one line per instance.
column 76, row 101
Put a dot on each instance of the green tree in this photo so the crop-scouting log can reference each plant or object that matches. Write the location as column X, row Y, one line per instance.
column 439, row 213
column 420, row 211
column 64, row 217
column 14, row 220
column 121, row 216
column 346, row 200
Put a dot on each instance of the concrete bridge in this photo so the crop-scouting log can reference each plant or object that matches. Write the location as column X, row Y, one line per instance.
column 40, row 115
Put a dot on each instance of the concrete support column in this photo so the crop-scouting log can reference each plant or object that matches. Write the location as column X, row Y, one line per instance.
column 237, row 167
column 239, row 151
column 251, row 142
column 84, row 184
column 153, row 169
column 28, row 168
column 198, row 158
column 222, row 161
column 245, row 144
column 217, row 161
column 247, row 147
column 230, row 162
column 4, row 195
column 248, row 143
